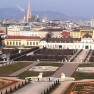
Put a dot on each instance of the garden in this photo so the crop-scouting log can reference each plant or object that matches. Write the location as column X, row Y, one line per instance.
column 45, row 73
column 11, row 68
column 80, row 88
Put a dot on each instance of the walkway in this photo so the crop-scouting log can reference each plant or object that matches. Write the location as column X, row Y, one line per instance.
column 73, row 56
column 24, row 69
column 34, row 88
column 62, row 88
column 82, row 56
column 68, row 69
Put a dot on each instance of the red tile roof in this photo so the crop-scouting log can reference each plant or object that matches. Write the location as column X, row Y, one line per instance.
column 23, row 37
column 65, row 34
column 1, row 31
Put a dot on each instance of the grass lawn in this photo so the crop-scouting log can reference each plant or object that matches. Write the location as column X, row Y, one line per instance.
column 50, row 64
column 87, row 65
column 6, row 70
column 79, row 75
column 33, row 73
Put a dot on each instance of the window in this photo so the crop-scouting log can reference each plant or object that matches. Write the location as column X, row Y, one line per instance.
column 16, row 43
column 13, row 43
column 33, row 43
column 27, row 43
column 10, row 43
column 36, row 43
column 60, row 46
column 19, row 43
column 7, row 43
column 30, row 43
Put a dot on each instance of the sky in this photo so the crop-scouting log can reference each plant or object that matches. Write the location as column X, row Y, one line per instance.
column 80, row 8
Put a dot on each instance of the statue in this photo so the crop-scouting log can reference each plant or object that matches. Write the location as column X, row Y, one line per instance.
column 62, row 75
column 40, row 75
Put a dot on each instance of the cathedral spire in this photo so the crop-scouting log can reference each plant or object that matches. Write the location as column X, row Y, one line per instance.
column 29, row 14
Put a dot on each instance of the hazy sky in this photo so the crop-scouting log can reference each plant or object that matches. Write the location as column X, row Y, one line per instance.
column 83, row 8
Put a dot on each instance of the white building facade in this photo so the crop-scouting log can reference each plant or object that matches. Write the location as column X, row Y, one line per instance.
column 21, row 31
column 84, row 43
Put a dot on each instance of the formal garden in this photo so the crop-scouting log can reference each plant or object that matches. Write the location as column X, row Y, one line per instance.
column 44, row 67
column 84, row 71
column 49, row 55
column 80, row 88
column 6, row 70
column 9, row 85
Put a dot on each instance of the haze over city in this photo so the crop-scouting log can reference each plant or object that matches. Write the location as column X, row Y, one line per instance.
column 81, row 8
column 46, row 47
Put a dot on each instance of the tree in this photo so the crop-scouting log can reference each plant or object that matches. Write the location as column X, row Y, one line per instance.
column 48, row 35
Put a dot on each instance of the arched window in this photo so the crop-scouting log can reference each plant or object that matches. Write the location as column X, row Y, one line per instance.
column 16, row 43
column 13, row 43
column 34, row 43
column 27, row 43
column 19, row 43
column 30, row 43
column 7, row 43
column 10, row 43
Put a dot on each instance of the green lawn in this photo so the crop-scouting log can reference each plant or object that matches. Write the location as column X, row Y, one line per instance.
column 50, row 64
column 79, row 75
column 33, row 73
column 7, row 70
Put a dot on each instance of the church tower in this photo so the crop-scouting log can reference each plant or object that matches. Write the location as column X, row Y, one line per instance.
column 29, row 14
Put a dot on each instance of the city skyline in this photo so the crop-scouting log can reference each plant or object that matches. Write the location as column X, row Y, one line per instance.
column 81, row 8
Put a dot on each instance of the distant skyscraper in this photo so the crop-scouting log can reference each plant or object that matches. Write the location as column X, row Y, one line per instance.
column 29, row 14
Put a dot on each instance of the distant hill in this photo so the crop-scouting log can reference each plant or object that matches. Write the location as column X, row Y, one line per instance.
column 15, row 13
column 11, row 13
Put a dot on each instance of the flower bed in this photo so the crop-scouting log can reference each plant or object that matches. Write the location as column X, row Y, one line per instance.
column 6, row 83
column 81, row 88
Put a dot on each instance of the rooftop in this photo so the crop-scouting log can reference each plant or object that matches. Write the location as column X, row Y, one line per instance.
column 23, row 37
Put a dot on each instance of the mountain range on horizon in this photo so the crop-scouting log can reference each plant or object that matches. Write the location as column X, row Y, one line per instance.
column 15, row 13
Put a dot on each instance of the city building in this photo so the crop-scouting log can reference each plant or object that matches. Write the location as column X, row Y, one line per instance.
column 86, row 42
column 75, row 33
column 92, row 22
column 2, row 32
column 21, row 41
column 84, row 32
column 56, row 31
column 65, row 34
column 21, row 31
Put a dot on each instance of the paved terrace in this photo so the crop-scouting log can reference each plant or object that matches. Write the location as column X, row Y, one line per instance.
column 34, row 88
